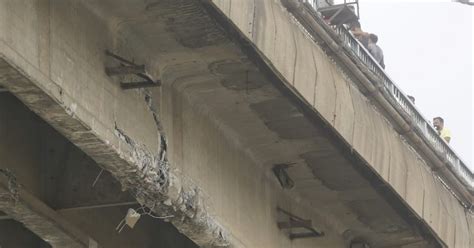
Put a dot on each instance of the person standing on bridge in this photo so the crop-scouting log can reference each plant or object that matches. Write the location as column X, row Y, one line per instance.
column 375, row 50
column 443, row 132
column 357, row 31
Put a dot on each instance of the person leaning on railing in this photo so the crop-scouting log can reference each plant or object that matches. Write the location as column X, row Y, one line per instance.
column 375, row 50
column 357, row 31
column 443, row 132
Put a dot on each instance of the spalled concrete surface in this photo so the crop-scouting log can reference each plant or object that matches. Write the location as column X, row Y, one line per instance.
column 201, row 147
column 82, row 74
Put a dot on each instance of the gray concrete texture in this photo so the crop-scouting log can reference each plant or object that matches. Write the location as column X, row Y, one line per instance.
column 80, row 122
column 325, row 87
column 201, row 147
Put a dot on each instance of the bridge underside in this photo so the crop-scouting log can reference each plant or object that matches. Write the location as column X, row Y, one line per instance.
column 222, row 118
column 61, row 196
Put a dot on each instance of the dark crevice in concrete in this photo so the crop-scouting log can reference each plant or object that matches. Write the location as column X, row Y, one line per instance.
column 121, row 134
column 275, row 27
column 296, row 58
column 154, row 112
column 316, row 76
column 335, row 97
column 164, row 148
column 150, row 167
column 253, row 19
column 354, row 119
column 159, row 127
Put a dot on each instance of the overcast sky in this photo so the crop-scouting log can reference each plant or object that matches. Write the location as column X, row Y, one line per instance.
column 428, row 49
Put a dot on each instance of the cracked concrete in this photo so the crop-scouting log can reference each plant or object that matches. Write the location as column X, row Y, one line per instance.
column 201, row 147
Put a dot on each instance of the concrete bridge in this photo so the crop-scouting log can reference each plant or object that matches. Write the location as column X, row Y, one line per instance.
column 264, row 127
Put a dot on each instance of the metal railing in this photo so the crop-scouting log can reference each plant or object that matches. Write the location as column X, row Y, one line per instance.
column 420, row 124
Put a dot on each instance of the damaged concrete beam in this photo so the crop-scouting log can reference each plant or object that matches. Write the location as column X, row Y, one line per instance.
column 137, row 169
column 24, row 207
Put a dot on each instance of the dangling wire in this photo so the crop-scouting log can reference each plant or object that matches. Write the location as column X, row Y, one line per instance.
column 141, row 211
column 97, row 177
column 121, row 225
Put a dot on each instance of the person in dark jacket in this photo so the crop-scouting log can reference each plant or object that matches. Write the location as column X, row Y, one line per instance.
column 375, row 50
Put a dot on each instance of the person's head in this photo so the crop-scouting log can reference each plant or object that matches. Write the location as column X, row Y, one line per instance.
column 373, row 38
column 438, row 123
column 412, row 99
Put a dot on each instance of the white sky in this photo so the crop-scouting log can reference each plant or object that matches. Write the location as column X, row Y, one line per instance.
column 428, row 49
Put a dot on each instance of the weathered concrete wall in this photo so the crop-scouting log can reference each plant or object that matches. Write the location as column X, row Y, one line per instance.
column 241, row 194
column 62, row 45
column 323, row 85
column 54, row 62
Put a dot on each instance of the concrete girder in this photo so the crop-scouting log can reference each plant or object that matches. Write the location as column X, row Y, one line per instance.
column 65, row 102
column 316, row 95
column 125, row 163
column 38, row 217
column 35, row 154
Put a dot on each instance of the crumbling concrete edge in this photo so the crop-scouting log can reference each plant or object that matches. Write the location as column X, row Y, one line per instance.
column 147, row 176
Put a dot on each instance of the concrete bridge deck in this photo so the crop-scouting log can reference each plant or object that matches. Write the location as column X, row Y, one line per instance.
column 246, row 85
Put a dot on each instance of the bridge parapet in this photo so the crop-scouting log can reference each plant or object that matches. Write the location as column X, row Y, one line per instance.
column 458, row 177
column 335, row 77
column 420, row 122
